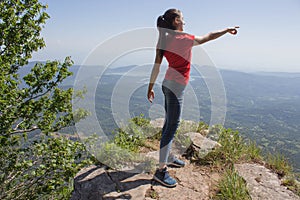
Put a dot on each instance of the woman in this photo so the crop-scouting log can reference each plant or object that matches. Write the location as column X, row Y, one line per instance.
column 175, row 46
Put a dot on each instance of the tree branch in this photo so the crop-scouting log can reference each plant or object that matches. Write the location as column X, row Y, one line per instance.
column 24, row 131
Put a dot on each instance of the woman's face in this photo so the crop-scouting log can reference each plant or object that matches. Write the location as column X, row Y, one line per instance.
column 179, row 22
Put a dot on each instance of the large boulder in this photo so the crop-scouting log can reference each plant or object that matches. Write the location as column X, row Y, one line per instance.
column 97, row 183
column 263, row 184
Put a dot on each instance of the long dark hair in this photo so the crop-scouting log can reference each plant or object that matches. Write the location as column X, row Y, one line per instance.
column 165, row 26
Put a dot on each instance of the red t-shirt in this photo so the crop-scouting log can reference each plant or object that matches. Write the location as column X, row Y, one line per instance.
column 178, row 53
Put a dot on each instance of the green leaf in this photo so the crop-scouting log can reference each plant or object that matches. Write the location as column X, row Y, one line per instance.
column 33, row 102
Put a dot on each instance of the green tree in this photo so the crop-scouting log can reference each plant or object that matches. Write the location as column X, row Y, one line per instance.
column 43, row 167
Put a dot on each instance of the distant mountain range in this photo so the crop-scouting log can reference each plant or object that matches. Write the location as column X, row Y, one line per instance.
column 263, row 106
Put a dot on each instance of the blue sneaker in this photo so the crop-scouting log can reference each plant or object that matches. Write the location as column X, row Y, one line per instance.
column 163, row 177
column 175, row 162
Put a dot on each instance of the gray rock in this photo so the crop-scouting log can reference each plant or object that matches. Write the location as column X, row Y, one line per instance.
column 201, row 144
column 97, row 183
column 194, row 182
column 263, row 184
column 91, row 183
column 157, row 123
column 129, row 186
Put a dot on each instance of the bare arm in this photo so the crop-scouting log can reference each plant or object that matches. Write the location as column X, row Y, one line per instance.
column 154, row 74
column 214, row 35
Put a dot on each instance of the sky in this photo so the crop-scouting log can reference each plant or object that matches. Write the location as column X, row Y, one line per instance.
column 268, row 38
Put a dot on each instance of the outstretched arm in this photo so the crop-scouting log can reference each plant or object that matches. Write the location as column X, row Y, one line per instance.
column 214, row 35
column 154, row 74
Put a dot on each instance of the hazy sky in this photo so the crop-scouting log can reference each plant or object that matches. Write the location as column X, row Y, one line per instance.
column 268, row 39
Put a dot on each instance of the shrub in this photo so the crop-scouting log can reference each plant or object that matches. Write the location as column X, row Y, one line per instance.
column 232, row 187
column 33, row 104
column 279, row 164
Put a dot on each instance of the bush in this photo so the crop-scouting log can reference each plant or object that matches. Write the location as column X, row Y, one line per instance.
column 43, row 170
column 36, row 167
column 233, row 148
column 279, row 164
column 232, row 187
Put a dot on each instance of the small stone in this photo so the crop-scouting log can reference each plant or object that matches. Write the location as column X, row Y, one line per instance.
column 258, row 179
